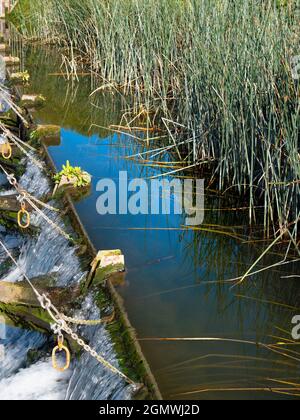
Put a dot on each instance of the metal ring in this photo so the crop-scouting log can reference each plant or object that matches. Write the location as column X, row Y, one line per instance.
column 21, row 213
column 6, row 151
column 12, row 180
column 45, row 302
column 61, row 348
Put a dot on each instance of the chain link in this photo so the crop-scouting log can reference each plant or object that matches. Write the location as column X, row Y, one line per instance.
column 19, row 143
column 94, row 354
column 92, row 322
column 49, row 221
column 61, row 325
column 60, row 320
column 24, row 195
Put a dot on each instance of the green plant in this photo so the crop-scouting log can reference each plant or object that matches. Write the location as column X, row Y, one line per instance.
column 219, row 68
column 34, row 135
column 24, row 76
column 75, row 174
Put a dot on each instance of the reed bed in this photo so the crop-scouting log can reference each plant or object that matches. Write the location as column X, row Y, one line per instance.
column 216, row 73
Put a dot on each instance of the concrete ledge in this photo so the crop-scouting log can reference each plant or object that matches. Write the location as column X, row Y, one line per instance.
column 117, row 300
column 11, row 61
column 131, row 343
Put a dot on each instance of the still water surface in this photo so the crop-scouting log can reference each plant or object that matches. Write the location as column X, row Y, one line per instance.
column 175, row 281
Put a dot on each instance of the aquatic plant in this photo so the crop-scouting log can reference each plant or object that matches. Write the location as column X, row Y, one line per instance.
column 218, row 72
column 20, row 77
column 75, row 174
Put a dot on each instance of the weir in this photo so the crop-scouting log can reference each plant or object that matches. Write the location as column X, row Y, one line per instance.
column 60, row 268
column 198, row 333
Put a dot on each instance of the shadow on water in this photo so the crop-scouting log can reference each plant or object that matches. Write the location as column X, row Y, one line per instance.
column 175, row 285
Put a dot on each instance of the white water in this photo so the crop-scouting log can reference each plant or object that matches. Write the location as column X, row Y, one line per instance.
column 37, row 382
column 102, row 384
column 50, row 253
column 17, row 343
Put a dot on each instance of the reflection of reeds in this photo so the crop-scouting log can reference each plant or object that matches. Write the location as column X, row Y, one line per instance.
column 216, row 72
column 232, row 367
column 213, row 247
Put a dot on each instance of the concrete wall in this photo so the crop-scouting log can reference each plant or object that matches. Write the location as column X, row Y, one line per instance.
column 6, row 5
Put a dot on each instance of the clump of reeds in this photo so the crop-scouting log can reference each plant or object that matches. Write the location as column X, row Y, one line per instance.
column 221, row 69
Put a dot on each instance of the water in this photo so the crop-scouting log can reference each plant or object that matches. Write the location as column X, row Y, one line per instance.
column 50, row 254
column 38, row 256
column 17, row 343
column 100, row 380
column 175, row 278
column 37, row 382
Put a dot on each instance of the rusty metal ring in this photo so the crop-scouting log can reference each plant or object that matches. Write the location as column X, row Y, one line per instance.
column 61, row 348
column 6, row 151
column 21, row 213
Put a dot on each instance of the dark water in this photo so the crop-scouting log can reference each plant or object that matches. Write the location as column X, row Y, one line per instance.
column 175, row 282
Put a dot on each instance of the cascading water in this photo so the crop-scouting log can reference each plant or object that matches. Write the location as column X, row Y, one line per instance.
column 17, row 343
column 102, row 384
column 50, row 254
column 39, row 255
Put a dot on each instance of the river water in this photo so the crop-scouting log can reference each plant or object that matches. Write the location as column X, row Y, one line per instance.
column 176, row 279
column 48, row 254
column 26, row 371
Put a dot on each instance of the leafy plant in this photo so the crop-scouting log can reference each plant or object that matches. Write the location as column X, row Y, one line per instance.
column 24, row 76
column 34, row 135
column 221, row 70
column 75, row 174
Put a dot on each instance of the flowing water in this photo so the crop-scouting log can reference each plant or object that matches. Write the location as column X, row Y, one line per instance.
column 50, row 254
column 175, row 278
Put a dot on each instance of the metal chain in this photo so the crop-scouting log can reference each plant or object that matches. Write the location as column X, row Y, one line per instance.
column 48, row 220
column 95, row 355
column 12, row 180
column 17, row 142
column 24, row 195
column 35, row 161
column 41, row 203
column 88, row 322
column 59, row 319
column 61, row 325
column 14, row 107
column 11, row 135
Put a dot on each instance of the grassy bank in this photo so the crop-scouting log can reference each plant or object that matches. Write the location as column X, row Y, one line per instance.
column 220, row 69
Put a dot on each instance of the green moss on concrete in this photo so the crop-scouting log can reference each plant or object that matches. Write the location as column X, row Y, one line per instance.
column 34, row 101
column 45, row 131
column 129, row 360
column 27, row 316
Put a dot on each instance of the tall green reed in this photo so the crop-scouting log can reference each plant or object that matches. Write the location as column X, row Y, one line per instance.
column 221, row 69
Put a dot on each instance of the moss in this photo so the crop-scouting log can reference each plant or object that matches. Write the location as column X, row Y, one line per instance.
column 104, row 273
column 34, row 355
column 45, row 131
column 8, row 219
column 8, row 118
column 124, row 346
column 36, row 319
column 34, row 101
column 26, row 316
